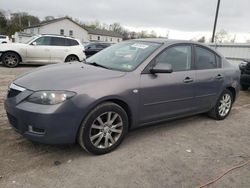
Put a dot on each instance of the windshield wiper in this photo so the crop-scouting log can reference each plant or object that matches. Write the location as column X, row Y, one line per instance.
column 97, row 65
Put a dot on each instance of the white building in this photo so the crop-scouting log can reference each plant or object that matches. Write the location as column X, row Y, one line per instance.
column 233, row 52
column 67, row 27
column 103, row 35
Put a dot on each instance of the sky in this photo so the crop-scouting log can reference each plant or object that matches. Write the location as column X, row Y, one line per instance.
column 181, row 19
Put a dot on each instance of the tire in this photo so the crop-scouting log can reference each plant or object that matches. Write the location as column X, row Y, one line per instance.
column 107, row 119
column 10, row 59
column 225, row 101
column 244, row 87
column 71, row 58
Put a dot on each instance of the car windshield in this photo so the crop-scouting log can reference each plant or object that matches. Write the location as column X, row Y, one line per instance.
column 124, row 56
column 31, row 39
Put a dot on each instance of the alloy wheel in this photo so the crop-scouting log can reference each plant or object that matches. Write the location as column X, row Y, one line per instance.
column 225, row 104
column 106, row 130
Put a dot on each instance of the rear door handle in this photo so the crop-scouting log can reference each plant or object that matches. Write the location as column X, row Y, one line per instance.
column 188, row 80
column 219, row 77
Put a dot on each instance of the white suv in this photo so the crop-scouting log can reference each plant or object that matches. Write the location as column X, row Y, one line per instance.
column 4, row 39
column 42, row 49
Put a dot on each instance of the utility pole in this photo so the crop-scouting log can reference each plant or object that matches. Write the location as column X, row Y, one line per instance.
column 215, row 21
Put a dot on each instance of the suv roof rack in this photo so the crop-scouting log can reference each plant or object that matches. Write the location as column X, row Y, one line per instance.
column 57, row 35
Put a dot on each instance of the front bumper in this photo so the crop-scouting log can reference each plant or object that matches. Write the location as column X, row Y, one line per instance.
column 50, row 124
column 245, row 79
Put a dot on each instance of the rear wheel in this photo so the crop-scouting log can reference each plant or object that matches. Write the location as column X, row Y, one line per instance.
column 10, row 59
column 223, row 106
column 103, row 129
column 71, row 58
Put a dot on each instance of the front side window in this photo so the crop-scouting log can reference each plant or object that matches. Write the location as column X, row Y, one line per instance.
column 179, row 57
column 124, row 56
column 43, row 41
column 204, row 59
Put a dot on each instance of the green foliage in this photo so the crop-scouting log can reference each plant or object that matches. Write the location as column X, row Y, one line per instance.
column 16, row 22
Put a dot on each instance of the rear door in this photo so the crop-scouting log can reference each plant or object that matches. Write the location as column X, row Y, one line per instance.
column 39, row 51
column 209, row 77
column 59, row 49
column 169, row 95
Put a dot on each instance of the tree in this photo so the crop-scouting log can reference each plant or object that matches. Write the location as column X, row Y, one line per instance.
column 221, row 36
column 202, row 39
column 3, row 23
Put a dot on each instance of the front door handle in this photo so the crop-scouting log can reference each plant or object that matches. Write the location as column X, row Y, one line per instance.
column 219, row 77
column 188, row 80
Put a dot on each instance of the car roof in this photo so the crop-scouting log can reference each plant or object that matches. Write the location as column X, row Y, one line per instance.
column 54, row 35
column 165, row 40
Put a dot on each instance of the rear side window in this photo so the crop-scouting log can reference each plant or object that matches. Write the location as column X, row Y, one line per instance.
column 2, row 37
column 180, row 57
column 57, row 41
column 205, row 59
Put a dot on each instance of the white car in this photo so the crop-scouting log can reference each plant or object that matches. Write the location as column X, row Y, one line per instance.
column 4, row 39
column 43, row 49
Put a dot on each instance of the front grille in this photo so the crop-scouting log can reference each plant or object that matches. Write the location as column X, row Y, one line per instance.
column 12, row 120
column 13, row 93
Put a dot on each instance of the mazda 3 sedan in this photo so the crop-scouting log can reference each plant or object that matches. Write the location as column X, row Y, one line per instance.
column 125, row 86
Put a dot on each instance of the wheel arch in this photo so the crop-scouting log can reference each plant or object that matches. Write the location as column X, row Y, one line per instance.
column 20, row 57
column 71, row 55
column 233, row 91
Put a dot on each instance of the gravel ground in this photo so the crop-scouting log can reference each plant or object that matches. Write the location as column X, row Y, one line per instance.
column 181, row 153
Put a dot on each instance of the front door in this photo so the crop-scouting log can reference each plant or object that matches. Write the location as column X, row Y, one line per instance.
column 39, row 51
column 167, row 95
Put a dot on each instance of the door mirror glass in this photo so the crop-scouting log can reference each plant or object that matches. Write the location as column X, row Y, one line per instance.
column 162, row 68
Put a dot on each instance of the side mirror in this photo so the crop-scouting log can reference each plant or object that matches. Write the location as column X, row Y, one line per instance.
column 161, row 68
column 34, row 43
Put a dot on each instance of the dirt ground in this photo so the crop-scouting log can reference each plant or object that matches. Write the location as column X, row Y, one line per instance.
column 182, row 153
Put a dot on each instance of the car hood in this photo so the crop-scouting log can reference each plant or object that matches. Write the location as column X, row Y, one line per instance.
column 67, row 76
column 9, row 46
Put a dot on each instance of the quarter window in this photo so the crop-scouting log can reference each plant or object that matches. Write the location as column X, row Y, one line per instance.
column 205, row 59
column 180, row 57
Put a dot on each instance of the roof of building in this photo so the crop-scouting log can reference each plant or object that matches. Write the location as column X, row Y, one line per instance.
column 102, row 32
column 89, row 29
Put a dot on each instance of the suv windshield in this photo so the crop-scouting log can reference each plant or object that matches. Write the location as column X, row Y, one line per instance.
column 124, row 56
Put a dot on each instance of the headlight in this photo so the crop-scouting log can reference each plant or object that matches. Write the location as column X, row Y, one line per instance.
column 50, row 97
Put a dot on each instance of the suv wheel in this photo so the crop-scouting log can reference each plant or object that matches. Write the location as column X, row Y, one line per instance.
column 103, row 129
column 71, row 58
column 10, row 59
column 223, row 106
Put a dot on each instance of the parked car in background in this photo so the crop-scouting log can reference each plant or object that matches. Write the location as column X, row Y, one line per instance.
column 128, row 85
column 245, row 74
column 42, row 49
column 4, row 39
column 94, row 47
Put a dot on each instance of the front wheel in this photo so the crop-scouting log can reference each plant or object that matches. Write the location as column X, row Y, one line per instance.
column 223, row 106
column 103, row 129
column 10, row 59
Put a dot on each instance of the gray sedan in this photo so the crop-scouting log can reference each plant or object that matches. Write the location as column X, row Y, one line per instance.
column 125, row 86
